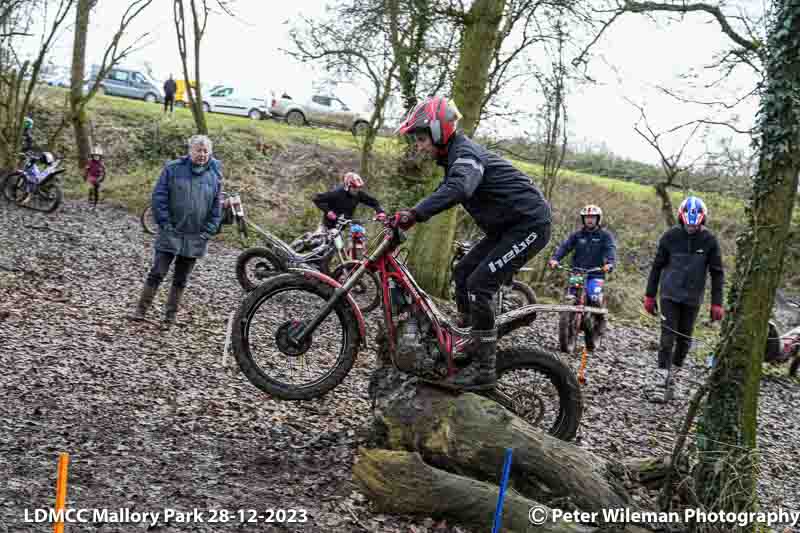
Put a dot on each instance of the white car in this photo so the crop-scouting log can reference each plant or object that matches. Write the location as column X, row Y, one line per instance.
column 233, row 101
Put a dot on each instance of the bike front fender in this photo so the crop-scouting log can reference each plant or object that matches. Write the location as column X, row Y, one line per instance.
column 362, row 329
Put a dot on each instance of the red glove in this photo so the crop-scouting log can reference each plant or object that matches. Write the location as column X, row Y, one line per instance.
column 650, row 304
column 380, row 217
column 404, row 219
column 331, row 215
column 717, row 312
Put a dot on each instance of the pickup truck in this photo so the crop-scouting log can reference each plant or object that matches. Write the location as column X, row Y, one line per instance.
column 320, row 110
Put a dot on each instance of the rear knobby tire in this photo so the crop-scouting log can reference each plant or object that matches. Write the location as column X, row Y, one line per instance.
column 565, row 425
column 256, row 375
column 259, row 254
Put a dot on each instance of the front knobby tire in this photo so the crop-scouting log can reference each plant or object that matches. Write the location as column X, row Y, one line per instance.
column 567, row 416
column 272, row 386
column 567, row 335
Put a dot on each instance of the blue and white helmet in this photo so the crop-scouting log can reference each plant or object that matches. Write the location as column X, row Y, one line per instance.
column 693, row 211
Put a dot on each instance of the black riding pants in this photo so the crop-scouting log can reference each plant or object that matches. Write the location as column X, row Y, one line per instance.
column 491, row 263
column 161, row 263
column 676, row 330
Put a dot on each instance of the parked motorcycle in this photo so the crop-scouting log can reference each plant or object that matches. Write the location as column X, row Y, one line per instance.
column 36, row 184
column 255, row 265
column 783, row 347
column 310, row 323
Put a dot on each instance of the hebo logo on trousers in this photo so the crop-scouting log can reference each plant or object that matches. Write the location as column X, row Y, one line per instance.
column 516, row 249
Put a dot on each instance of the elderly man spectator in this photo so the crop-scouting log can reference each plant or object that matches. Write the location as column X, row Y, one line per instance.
column 186, row 206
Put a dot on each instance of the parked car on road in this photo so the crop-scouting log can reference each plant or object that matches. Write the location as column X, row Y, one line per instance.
column 234, row 101
column 131, row 83
column 320, row 110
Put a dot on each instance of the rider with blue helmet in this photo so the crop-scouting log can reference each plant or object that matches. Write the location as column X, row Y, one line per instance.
column 686, row 254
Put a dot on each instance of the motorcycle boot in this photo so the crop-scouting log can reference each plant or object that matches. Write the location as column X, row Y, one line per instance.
column 480, row 374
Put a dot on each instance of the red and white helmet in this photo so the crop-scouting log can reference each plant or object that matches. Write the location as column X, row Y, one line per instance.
column 436, row 114
column 591, row 210
column 352, row 180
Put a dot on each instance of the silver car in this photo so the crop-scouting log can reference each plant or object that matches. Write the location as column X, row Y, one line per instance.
column 320, row 110
column 131, row 84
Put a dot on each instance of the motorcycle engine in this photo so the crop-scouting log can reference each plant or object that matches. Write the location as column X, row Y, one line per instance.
column 417, row 349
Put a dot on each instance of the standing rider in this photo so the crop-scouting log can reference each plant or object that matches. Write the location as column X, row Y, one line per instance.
column 505, row 204
column 342, row 200
column 594, row 247
column 686, row 253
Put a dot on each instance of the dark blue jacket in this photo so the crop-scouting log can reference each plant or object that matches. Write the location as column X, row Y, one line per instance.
column 492, row 190
column 187, row 208
column 343, row 203
column 592, row 249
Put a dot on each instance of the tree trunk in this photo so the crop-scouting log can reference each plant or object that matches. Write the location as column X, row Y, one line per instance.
column 376, row 121
column 431, row 247
column 199, row 112
column 666, row 203
column 77, row 109
column 481, row 28
column 726, row 437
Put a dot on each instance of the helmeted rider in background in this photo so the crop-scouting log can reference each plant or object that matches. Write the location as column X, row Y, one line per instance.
column 27, row 134
column 592, row 247
column 686, row 253
column 343, row 200
column 505, row 204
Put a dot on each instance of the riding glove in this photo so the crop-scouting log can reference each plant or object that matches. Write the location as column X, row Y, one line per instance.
column 717, row 313
column 650, row 304
column 404, row 219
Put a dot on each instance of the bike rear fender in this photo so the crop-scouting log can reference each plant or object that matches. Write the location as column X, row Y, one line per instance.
column 52, row 175
column 335, row 284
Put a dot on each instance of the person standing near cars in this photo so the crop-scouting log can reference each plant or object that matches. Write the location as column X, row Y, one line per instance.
column 686, row 253
column 170, row 87
column 186, row 206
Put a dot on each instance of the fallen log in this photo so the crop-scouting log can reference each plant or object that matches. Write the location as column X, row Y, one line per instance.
column 401, row 482
column 468, row 434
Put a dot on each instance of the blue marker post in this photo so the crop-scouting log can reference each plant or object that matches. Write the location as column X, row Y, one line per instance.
column 498, row 513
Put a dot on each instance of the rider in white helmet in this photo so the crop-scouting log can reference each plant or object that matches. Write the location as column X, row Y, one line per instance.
column 343, row 200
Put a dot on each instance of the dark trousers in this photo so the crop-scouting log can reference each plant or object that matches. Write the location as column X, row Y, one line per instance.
column 161, row 263
column 491, row 263
column 94, row 193
column 169, row 100
column 676, row 330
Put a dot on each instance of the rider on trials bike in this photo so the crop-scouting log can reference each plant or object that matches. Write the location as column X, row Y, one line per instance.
column 505, row 204
column 593, row 247
column 343, row 200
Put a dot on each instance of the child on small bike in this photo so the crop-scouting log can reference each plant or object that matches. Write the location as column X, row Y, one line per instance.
column 95, row 174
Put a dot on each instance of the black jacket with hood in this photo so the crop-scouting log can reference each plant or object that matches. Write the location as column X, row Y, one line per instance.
column 492, row 190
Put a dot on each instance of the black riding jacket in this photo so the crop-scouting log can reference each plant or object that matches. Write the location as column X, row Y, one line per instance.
column 592, row 249
column 343, row 203
column 681, row 264
column 492, row 190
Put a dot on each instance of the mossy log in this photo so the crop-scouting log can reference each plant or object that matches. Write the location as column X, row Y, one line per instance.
column 467, row 434
column 401, row 482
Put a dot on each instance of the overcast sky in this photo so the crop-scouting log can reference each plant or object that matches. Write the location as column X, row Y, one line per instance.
column 245, row 51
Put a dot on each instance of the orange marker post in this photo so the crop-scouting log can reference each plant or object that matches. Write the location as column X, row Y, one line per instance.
column 61, row 491
column 584, row 358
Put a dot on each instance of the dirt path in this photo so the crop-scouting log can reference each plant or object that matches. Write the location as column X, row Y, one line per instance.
column 153, row 420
